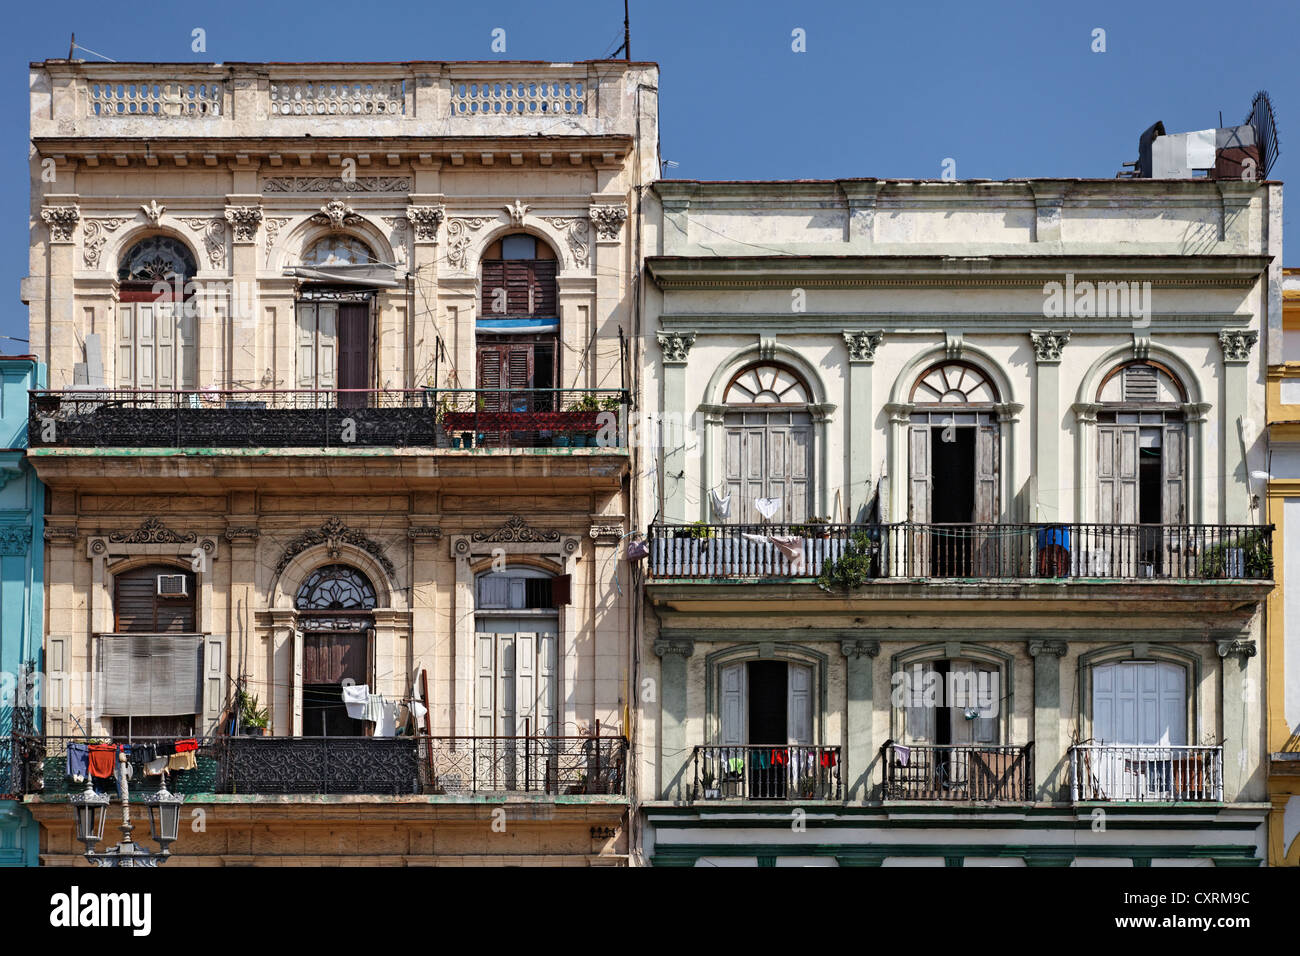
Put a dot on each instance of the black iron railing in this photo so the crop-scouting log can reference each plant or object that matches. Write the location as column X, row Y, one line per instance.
column 330, row 418
column 963, row 551
column 391, row 766
column 960, row 773
column 768, row 772
column 1146, row 773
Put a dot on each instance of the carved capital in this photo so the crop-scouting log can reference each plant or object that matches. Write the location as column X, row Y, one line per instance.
column 1048, row 344
column 425, row 531
column 606, row 531
column 608, row 220
column 680, row 646
column 1047, row 647
column 62, row 221
column 425, row 221
column 1237, row 344
column 245, row 534
column 1238, row 647
column 15, row 539
column 244, row 221
column 61, row 532
column 859, row 648
column 862, row 344
column 675, row 345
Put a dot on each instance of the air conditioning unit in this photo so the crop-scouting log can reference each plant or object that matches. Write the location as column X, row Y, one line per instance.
column 172, row 585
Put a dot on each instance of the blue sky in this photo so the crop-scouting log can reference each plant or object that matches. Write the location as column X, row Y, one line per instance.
column 1006, row 89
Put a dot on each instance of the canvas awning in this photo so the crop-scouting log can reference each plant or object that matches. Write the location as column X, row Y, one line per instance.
column 375, row 275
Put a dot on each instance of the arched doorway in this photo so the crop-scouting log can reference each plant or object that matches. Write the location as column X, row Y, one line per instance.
column 156, row 341
column 334, row 322
column 334, row 605
column 768, row 444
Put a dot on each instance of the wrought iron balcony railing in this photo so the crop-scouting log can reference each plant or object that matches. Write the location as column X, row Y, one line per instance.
column 770, row 772
column 1146, row 774
column 970, row 773
column 391, row 766
column 854, row 554
column 334, row 418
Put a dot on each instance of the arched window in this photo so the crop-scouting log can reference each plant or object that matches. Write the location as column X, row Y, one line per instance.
column 1142, row 449
column 516, row 626
column 517, row 328
column 954, row 383
column 954, row 446
column 156, row 345
column 334, row 605
column 337, row 249
column 768, row 445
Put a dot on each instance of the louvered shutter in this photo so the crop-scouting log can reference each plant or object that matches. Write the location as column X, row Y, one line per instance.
column 986, row 474
column 165, row 316
column 187, row 351
column 484, row 676
column 494, row 278
column 327, row 332
column 493, row 591
column 919, row 473
column 214, row 680
column 125, row 345
column 519, row 369
column 799, row 704
column 146, row 675
column 799, row 456
column 733, row 444
column 732, row 711
column 507, row 706
column 1174, row 463
column 58, row 691
column 548, row 692
column 145, row 343
column 306, row 345
column 919, row 704
column 526, row 682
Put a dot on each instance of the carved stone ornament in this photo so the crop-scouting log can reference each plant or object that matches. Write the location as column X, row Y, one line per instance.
column 399, row 226
column 62, row 220
column 427, row 531
column 154, row 212
column 93, row 239
column 244, row 220
column 576, row 231
column 336, row 213
column 273, row 227
column 425, row 221
column 15, row 539
column 333, row 534
column 862, row 345
column 674, row 645
column 459, row 240
column 1237, row 344
column 1047, row 647
column 608, row 220
column 675, row 345
column 516, row 211
column 249, row 534
column 214, row 238
column 1237, row 648
column 516, row 530
column 606, row 531
column 1049, row 345
column 332, row 184
column 152, row 531
column 55, row 532
column 860, row 648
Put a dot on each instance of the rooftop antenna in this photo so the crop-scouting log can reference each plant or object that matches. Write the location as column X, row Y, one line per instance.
column 72, row 45
column 626, row 48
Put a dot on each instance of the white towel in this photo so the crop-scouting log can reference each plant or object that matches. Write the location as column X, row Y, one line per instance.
column 768, row 506
column 418, row 710
column 721, row 505
column 386, row 717
column 355, row 697
column 791, row 546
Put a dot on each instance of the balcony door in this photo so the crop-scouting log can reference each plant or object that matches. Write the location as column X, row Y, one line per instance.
column 334, row 348
column 768, row 444
column 1139, row 709
column 157, row 327
column 335, row 605
column 766, row 703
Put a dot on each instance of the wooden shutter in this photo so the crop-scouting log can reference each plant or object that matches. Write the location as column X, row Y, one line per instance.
column 150, row 676
column 1107, row 720
column 1171, row 707
column 56, row 698
column 306, row 345
column 525, row 682
column 494, row 277
column 145, row 342
column 507, row 707
column 353, row 345
column 975, row 678
column 919, row 473
column 776, row 474
column 732, row 706
column 733, row 445
column 125, row 345
column 986, row 473
column 548, row 692
column 214, row 681
column 484, row 677
column 187, row 351
column 1117, row 474
column 561, row 590
column 519, row 366
column 799, row 456
column 1174, row 463
column 493, row 591
column 799, row 705
column 918, row 705
column 327, row 336
column 165, row 317
column 753, row 464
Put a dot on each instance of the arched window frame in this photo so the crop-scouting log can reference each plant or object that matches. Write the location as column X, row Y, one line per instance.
column 359, row 251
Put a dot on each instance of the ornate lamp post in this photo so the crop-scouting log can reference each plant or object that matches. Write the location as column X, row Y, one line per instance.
column 91, row 811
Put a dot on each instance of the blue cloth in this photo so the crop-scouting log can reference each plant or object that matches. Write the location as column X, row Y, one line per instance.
column 78, row 761
column 1054, row 534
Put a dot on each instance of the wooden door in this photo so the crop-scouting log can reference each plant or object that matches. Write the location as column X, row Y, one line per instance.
column 354, row 353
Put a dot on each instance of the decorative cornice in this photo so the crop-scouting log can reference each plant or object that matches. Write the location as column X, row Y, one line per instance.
column 244, row 220
column 425, row 221
column 153, row 212
column 1048, row 344
column 333, row 534
column 608, row 220
column 862, row 344
column 336, row 213
column 682, row 647
column 62, row 221
column 517, row 530
column 93, row 239
column 214, row 237
column 336, row 184
column 859, row 648
column 1241, row 647
column 517, row 211
column 576, row 230
column 1047, row 647
column 425, row 531
column 676, row 346
column 152, row 531
column 1237, row 344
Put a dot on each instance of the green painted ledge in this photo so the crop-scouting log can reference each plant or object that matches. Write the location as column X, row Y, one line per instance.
column 346, row 799
column 350, row 451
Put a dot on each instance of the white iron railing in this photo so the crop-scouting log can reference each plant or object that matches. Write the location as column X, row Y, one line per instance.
column 1146, row 774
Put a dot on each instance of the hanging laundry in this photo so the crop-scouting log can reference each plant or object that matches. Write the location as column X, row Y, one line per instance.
column 829, row 758
column 166, row 748
column 187, row 745
column 721, row 505
column 355, row 697
column 103, row 760
column 418, row 710
column 780, row 758
column 761, row 759
column 791, row 546
column 182, row 760
column 78, row 762
column 156, row 766
column 768, row 506
column 736, row 765
column 374, row 708
column 386, row 725
column 902, row 754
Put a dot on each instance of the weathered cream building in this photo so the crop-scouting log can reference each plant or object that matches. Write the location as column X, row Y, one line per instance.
column 1010, row 427
column 339, row 378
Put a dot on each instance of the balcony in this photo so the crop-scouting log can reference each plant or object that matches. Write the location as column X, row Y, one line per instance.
column 857, row 554
column 1146, row 774
column 378, row 766
column 457, row 419
column 957, row 773
column 788, row 772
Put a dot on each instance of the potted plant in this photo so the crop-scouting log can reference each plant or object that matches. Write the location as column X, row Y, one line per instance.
column 252, row 717
column 856, row 564
column 808, row 787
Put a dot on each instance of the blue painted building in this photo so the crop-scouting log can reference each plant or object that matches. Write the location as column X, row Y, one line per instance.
column 22, row 608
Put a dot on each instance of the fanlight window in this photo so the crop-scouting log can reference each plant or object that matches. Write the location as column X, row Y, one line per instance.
column 954, row 383
column 336, row 587
column 766, row 385
column 157, row 258
column 1141, row 383
column 338, row 250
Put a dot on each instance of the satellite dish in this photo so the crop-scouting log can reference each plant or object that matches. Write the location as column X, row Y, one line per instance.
column 1260, row 119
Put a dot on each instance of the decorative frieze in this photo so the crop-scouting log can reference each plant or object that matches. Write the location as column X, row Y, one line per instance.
column 1237, row 344
column 425, row 221
column 333, row 534
column 335, row 184
column 608, row 220
column 1048, row 345
column 516, row 529
column 244, row 220
column 862, row 344
column 152, row 531
column 62, row 221
column 676, row 346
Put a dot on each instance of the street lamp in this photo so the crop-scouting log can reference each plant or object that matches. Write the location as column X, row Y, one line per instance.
column 90, row 810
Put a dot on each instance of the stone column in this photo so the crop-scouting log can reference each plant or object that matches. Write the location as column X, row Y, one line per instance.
column 674, row 760
column 425, row 214
column 900, row 420
column 60, row 349
column 1008, row 418
column 244, row 659
column 1242, row 737
column 1236, row 345
column 1047, row 424
column 234, row 335
column 859, row 737
column 430, row 634
column 1047, row 716
column 606, row 217
column 862, row 347
column 1196, row 414
column 675, row 346
column 1085, row 461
